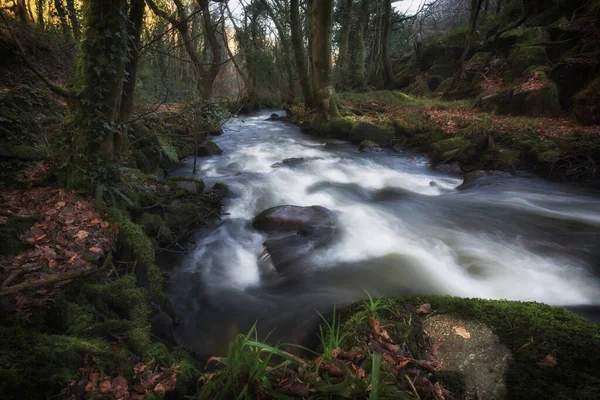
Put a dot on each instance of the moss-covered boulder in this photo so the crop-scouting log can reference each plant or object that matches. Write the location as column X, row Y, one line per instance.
column 498, row 103
column 382, row 135
column 504, row 158
column 188, row 183
column 208, row 148
column 586, row 105
column 338, row 128
column 542, row 102
column 449, row 149
column 544, row 351
column 434, row 82
column 443, row 66
column 521, row 57
column 419, row 89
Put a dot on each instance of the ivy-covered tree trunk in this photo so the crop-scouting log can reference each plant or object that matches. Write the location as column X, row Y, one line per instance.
column 360, row 73
column 136, row 19
column 102, row 60
column 388, row 76
column 299, row 54
column 73, row 18
column 322, row 23
column 22, row 11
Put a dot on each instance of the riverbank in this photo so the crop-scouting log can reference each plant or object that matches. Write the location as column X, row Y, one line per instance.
column 459, row 137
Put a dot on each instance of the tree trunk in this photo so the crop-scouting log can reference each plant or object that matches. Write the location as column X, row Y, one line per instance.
column 345, row 18
column 73, row 18
column 60, row 10
column 298, row 46
column 136, row 19
column 322, row 23
column 359, row 57
column 40, row 13
column 388, row 75
column 211, row 73
column 22, row 11
column 498, row 7
column 102, row 61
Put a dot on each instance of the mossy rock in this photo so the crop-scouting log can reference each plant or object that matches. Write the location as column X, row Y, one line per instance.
column 382, row 135
column 448, row 149
column 339, row 127
column 476, row 63
column 208, row 148
column 586, row 104
column 419, row 89
column 530, row 331
column 497, row 103
column 444, row 85
column 540, row 103
column 521, row 35
column 190, row 184
column 504, row 158
column 434, row 82
column 521, row 57
column 444, row 67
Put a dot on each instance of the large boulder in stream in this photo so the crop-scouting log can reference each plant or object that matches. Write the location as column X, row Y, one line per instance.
column 293, row 218
column 295, row 233
column 208, row 148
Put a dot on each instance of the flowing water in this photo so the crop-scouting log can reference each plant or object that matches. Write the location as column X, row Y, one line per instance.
column 405, row 229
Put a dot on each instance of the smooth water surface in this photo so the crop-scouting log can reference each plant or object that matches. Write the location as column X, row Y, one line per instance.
column 406, row 229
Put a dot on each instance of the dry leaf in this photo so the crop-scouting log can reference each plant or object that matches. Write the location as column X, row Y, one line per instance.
column 463, row 333
column 548, row 361
column 81, row 235
column 3, row 220
column 423, row 309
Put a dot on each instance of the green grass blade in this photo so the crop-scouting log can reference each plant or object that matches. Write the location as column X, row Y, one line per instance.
column 375, row 372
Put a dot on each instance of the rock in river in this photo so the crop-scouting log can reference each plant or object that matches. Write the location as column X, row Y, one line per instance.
column 293, row 218
column 295, row 233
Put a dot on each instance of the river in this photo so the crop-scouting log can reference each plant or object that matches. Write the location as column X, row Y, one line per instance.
column 405, row 229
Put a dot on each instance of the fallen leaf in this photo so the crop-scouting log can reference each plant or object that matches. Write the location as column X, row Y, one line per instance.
column 60, row 204
column 96, row 249
column 463, row 333
column 120, row 388
column 3, row 220
column 423, row 309
column 81, row 235
column 105, row 386
column 211, row 359
column 548, row 361
column 403, row 363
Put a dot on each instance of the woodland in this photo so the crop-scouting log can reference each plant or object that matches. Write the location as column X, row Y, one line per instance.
column 101, row 99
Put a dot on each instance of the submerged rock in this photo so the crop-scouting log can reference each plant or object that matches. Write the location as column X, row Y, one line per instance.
column 293, row 162
column 293, row 218
column 451, row 169
column 216, row 132
column 473, row 176
column 274, row 117
column 367, row 145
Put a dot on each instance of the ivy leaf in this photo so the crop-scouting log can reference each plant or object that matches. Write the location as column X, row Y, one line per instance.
column 98, row 70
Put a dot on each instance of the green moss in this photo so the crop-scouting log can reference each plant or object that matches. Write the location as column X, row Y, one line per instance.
column 521, row 57
column 543, row 102
column 444, row 85
column 530, row 331
column 480, row 126
column 521, row 35
column 447, row 149
column 420, row 89
column 134, row 239
column 30, row 153
column 586, row 104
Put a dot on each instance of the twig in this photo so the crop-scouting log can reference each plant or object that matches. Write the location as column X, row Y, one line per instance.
column 412, row 386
